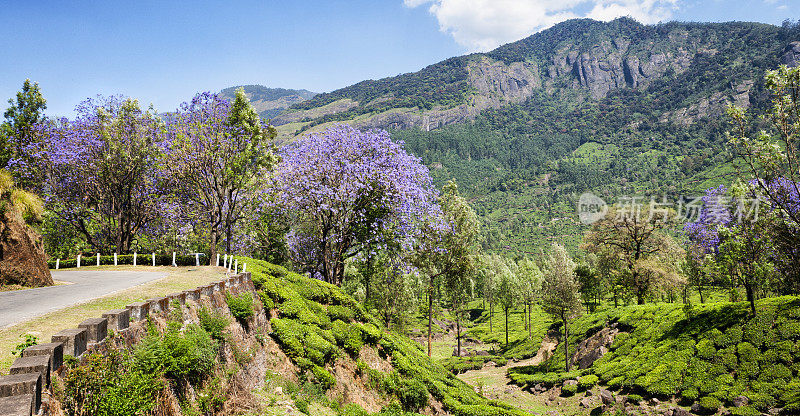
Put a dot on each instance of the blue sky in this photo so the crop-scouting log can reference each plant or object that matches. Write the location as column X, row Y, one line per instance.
column 164, row 52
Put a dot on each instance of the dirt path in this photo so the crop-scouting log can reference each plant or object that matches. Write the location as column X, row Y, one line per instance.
column 496, row 375
column 492, row 381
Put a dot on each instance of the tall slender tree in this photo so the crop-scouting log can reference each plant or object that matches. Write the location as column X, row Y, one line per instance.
column 18, row 134
column 448, row 247
column 560, row 291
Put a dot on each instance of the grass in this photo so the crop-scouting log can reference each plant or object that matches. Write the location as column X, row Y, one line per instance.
column 180, row 278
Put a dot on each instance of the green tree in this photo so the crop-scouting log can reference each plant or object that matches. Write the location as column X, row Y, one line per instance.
column 639, row 243
column 257, row 153
column 17, row 133
column 772, row 158
column 560, row 291
column 448, row 248
column 530, row 279
column 590, row 286
column 508, row 288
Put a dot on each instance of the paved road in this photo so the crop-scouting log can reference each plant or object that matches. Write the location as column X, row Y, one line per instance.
column 22, row 305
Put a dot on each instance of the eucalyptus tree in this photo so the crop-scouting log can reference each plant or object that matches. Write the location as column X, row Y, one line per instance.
column 509, row 287
column 560, row 291
column 102, row 171
column 530, row 280
column 216, row 151
column 447, row 248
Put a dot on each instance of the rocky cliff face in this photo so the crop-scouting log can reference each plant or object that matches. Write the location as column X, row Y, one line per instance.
column 22, row 257
column 578, row 60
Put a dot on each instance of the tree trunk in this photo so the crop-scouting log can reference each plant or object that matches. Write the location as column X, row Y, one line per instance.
column 213, row 248
column 566, row 345
column 506, row 327
column 530, row 324
column 228, row 237
column 491, row 312
column 430, row 318
column 700, row 291
column 458, row 331
column 751, row 298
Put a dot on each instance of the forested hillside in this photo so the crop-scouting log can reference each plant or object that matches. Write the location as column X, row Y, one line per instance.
column 614, row 108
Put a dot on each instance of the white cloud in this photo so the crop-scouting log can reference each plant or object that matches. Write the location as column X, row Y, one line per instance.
column 480, row 25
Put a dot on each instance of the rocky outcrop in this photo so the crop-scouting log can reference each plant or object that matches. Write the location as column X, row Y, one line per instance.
column 711, row 106
column 791, row 55
column 22, row 257
column 593, row 348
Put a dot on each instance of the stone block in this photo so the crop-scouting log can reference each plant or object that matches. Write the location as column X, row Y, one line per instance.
column 180, row 297
column 74, row 341
column 38, row 364
column 97, row 329
column 53, row 350
column 139, row 310
column 158, row 305
column 23, row 384
column 118, row 319
column 193, row 294
column 207, row 290
column 19, row 405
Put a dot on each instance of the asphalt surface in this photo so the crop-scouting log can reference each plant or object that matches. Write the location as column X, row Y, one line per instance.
column 22, row 305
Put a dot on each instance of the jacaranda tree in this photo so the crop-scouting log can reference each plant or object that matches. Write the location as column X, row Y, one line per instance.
column 344, row 190
column 216, row 151
column 101, row 171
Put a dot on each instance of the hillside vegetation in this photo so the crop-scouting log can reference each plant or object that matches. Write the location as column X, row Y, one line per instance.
column 515, row 126
column 710, row 354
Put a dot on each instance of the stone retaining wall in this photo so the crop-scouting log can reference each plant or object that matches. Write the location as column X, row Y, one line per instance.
column 21, row 392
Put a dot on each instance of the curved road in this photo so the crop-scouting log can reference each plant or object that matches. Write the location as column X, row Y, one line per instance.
column 21, row 305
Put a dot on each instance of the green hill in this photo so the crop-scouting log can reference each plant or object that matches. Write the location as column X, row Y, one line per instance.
column 315, row 323
column 269, row 102
column 616, row 108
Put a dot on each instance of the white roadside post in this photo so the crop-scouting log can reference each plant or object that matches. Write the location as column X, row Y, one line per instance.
column 225, row 261
column 236, row 269
column 217, row 259
column 115, row 259
column 197, row 259
column 154, row 259
column 173, row 260
column 244, row 268
column 230, row 263
column 98, row 259
column 78, row 264
column 134, row 258
column 58, row 263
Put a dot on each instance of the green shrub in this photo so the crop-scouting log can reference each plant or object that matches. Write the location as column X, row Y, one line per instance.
column 241, row 306
column 634, row 398
column 187, row 354
column 412, row 394
column 109, row 384
column 325, row 379
column 340, row 312
column 353, row 409
column 709, row 404
column 569, row 389
column 587, row 382
column 213, row 322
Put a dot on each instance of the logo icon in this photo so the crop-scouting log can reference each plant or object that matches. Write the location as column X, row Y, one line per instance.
column 591, row 208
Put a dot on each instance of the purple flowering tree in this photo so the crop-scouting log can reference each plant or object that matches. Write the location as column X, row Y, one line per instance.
column 347, row 191
column 101, row 171
column 216, row 154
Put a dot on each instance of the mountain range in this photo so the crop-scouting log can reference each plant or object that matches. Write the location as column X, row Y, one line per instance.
column 616, row 108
